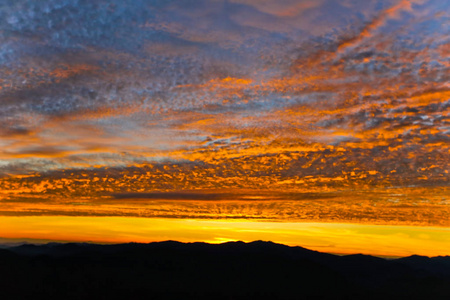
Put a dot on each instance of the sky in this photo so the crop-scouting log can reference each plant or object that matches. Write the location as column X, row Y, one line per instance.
column 227, row 116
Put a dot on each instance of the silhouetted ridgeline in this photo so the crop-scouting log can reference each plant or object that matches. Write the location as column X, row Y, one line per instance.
column 172, row 270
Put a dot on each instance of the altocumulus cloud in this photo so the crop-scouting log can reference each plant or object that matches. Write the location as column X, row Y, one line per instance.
column 102, row 98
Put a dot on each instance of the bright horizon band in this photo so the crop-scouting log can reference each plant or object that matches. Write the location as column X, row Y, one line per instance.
column 381, row 240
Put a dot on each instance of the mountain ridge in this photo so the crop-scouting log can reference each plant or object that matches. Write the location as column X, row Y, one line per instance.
column 232, row 270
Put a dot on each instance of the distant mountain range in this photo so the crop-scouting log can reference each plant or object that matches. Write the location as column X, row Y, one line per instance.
column 235, row 270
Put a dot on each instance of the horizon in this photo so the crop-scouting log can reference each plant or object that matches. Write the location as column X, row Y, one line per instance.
column 323, row 124
column 11, row 245
column 337, row 238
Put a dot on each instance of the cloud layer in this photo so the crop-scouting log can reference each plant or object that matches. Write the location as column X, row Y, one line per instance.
column 100, row 98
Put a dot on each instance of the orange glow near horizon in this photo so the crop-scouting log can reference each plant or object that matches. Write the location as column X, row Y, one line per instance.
column 339, row 238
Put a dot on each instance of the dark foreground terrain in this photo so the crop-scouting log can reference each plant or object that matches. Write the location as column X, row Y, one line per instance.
column 172, row 270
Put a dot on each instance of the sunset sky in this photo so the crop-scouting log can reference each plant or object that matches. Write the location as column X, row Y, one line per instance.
column 318, row 123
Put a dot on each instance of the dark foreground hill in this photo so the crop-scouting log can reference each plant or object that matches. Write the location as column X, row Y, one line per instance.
column 172, row 270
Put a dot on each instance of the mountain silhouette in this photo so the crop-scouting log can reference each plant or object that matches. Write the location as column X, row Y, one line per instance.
column 234, row 270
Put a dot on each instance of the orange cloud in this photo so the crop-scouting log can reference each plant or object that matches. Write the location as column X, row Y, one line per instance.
column 377, row 22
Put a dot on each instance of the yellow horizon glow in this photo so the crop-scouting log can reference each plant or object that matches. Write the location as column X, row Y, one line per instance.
column 342, row 238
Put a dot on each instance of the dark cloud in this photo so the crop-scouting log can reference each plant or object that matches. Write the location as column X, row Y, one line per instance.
column 215, row 196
